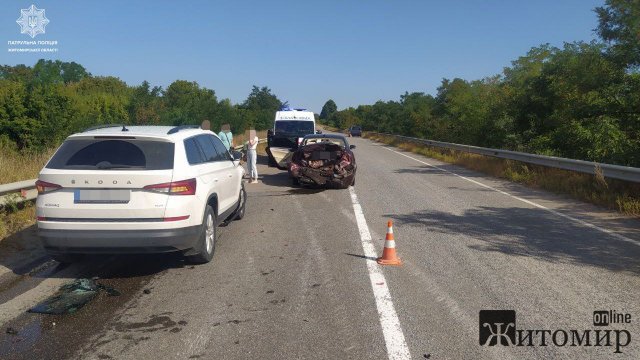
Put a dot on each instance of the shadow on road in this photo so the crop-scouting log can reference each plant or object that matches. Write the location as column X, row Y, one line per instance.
column 25, row 265
column 22, row 251
column 362, row 256
column 282, row 179
column 532, row 233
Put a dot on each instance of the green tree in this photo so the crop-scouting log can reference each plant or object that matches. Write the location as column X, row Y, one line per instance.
column 262, row 99
column 619, row 26
column 260, row 107
column 328, row 109
column 187, row 103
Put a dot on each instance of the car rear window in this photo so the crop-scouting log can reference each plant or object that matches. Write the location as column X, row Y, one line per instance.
column 113, row 154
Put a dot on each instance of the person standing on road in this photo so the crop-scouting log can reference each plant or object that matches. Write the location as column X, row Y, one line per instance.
column 252, row 156
column 226, row 136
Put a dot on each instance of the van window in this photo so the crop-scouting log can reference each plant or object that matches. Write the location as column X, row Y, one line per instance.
column 91, row 154
column 293, row 127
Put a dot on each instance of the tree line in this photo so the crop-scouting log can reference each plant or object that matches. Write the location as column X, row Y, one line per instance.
column 41, row 105
column 580, row 101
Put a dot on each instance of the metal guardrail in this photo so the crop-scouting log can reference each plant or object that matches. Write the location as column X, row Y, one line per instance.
column 26, row 190
column 611, row 171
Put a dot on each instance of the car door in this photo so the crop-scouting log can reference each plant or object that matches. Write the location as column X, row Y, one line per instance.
column 231, row 182
column 213, row 172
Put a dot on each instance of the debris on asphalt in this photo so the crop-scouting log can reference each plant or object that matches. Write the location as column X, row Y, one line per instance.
column 109, row 290
column 12, row 331
column 146, row 291
column 72, row 297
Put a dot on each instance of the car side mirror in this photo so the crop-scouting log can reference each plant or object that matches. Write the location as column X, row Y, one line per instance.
column 352, row 146
column 318, row 131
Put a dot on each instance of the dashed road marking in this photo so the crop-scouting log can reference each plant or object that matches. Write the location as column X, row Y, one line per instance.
column 582, row 222
column 393, row 336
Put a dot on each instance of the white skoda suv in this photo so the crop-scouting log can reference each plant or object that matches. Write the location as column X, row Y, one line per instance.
column 138, row 189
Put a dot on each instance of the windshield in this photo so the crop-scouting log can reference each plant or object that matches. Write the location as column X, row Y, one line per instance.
column 294, row 127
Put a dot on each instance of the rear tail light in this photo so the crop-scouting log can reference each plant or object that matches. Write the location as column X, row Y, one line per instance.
column 45, row 187
column 184, row 187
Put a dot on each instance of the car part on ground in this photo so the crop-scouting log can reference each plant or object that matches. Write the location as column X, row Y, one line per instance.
column 72, row 297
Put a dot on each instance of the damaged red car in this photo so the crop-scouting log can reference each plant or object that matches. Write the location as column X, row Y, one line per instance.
column 323, row 160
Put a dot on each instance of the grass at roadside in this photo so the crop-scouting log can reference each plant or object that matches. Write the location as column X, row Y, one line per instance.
column 611, row 193
column 16, row 218
column 240, row 139
column 18, row 166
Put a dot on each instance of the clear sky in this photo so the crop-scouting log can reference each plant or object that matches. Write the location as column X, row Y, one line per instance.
column 355, row 52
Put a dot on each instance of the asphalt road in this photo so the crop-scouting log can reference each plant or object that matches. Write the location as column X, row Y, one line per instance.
column 296, row 277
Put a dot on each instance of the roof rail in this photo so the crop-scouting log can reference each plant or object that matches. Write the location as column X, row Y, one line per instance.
column 103, row 126
column 182, row 127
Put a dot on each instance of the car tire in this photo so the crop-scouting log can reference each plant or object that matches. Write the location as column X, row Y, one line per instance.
column 207, row 243
column 295, row 182
column 242, row 199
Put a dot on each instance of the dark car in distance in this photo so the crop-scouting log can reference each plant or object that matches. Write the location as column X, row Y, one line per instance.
column 355, row 130
column 324, row 160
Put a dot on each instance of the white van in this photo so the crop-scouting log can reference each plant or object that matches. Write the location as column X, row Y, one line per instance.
column 289, row 127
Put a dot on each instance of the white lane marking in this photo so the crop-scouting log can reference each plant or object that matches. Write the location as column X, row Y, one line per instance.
column 393, row 336
column 582, row 222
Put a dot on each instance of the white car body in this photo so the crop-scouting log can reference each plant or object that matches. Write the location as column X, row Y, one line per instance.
column 122, row 210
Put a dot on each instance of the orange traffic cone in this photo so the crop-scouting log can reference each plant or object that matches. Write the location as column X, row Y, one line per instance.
column 389, row 256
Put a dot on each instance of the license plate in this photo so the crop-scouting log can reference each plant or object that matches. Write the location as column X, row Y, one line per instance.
column 101, row 196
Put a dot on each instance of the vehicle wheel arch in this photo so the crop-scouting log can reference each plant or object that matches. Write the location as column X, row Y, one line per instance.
column 213, row 202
